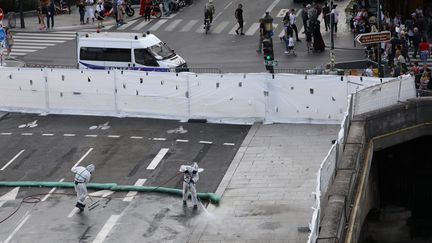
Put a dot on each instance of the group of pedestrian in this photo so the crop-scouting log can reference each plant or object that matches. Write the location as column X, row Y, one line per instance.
column 46, row 10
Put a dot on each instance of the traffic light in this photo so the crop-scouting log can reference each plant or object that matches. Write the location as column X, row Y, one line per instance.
column 268, row 50
column 268, row 54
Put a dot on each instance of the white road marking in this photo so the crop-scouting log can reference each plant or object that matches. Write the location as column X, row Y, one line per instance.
column 229, row 4
column 74, row 211
column 9, row 196
column 271, row 7
column 38, row 41
column 158, row 25
column 25, row 50
column 220, row 27
column 83, row 157
column 182, row 140
column 17, row 228
column 205, row 142
column 29, row 46
column 113, row 136
column 47, row 134
column 6, row 133
column 136, row 137
column 100, row 237
column 12, row 160
column 232, row 31
column 90, row 135
column 129, row 23
column 31, row 38
column 130, row 196
column 229, row 144
column 189, row 25
column 217, row 16
column 159, row 139
column 254, row 27
column 69, row 135
column 101, row 193
column 26, row 134
column 173, row 24
column 157, row 159
column 141, row 25
column 46, row 34
column 30, row 43
column 18, row 54
column 282, row 13
column 51, row 191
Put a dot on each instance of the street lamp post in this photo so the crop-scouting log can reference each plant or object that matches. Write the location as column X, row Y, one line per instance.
column 380, row 68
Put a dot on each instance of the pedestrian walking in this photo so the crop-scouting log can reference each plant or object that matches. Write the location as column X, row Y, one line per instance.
column 120, row 12
column 318, row 42
column 44, row 13
column 81, row 10
column 261, row 34
column 326, row 16
column 424, row 50
column 89, row 10
column 82, row 178
column 293, row 21
column 190, row 178
column 416, row 41
column 147, row 9
column 305, row 16
column 239, row 16
column 9, row 42
column 335, row 17
column 50, row 14
column 100, row 14
column 308, row 34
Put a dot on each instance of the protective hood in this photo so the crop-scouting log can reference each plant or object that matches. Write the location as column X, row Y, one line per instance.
column 90, row 168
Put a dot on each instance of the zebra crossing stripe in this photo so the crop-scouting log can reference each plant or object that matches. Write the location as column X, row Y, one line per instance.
column 232, row 31
column 26, row 47
column 200, row 29
column 36, row 44
column 43, row 38
column 158, row 24
column 141, row 25
column 25, row 50
column 189, row 25
column 173, row 25
column 254, row 27
column 123, row 27
column 48, row 34
column 220, row 27
column 38, row 41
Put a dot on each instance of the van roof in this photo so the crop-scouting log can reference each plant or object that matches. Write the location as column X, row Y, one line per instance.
column 116, row 36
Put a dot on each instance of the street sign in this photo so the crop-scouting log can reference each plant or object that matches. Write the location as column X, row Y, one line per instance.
column 271, row 63
column 2, row 34
column 372, row 38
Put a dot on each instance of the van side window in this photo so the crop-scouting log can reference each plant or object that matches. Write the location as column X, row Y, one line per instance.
column 105, row 54
column 143, row 57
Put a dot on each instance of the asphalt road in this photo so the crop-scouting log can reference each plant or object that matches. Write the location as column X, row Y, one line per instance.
column 221, row 48
column 44, row 148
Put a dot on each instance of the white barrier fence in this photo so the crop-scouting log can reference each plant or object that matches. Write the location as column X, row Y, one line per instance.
column 227, row 98
column 375, row 97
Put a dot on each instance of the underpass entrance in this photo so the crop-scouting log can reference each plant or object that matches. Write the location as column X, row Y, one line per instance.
column 404, row 173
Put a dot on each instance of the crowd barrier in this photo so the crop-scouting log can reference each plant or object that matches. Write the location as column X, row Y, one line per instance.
column 220, row 98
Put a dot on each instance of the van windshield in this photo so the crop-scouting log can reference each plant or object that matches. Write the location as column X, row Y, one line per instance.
column 161, row 51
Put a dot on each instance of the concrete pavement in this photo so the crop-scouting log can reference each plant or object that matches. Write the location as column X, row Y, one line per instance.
column 267, row 190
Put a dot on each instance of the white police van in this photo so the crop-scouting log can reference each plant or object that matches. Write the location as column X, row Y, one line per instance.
column 133, row 51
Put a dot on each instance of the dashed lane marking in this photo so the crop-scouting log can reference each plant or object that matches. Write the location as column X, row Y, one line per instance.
column 131, row 194
column 159, row 139
column 229, row 144
column 51, row 191
column 90, row 135
column 100, row 237
column 157, row 159
column 26, row 134
column 182, row 140
column 83, row 157
column 205, row 142
column 47, row 134
column 113, row 136
column 17, row 228
column 136, row 137
column 68, row 135
column 6, row 133
column 13, row 159
column 74, row 211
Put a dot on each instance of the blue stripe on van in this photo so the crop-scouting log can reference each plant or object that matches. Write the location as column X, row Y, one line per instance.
column 148, row 69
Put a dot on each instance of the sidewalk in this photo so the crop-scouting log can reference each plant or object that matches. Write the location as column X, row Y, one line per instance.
column 65, row 22
column 267, row 190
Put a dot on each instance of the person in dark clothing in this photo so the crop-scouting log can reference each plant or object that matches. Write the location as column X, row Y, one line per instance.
column 81, row 10
column 326, row 16
column 395, row 45
column 50, row 14
column 416, row 41
column 304, row 16
column 318, row 42
column 239, row 16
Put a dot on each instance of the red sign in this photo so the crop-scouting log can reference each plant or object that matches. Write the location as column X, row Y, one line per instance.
column 372, row 38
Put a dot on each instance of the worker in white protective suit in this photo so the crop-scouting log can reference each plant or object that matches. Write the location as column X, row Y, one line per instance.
column 82, row 177
column 190, row 178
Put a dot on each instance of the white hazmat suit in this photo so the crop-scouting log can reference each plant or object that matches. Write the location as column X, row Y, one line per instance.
column 82, row 177
column 190, row 178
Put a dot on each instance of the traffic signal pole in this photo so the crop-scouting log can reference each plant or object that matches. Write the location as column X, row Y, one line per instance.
column 268, row 43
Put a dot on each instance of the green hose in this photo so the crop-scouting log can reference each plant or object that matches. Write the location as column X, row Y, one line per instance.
column 213, row 197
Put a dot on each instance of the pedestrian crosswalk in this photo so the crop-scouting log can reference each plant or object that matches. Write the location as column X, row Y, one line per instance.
column 194, row 25
column 26, row 42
